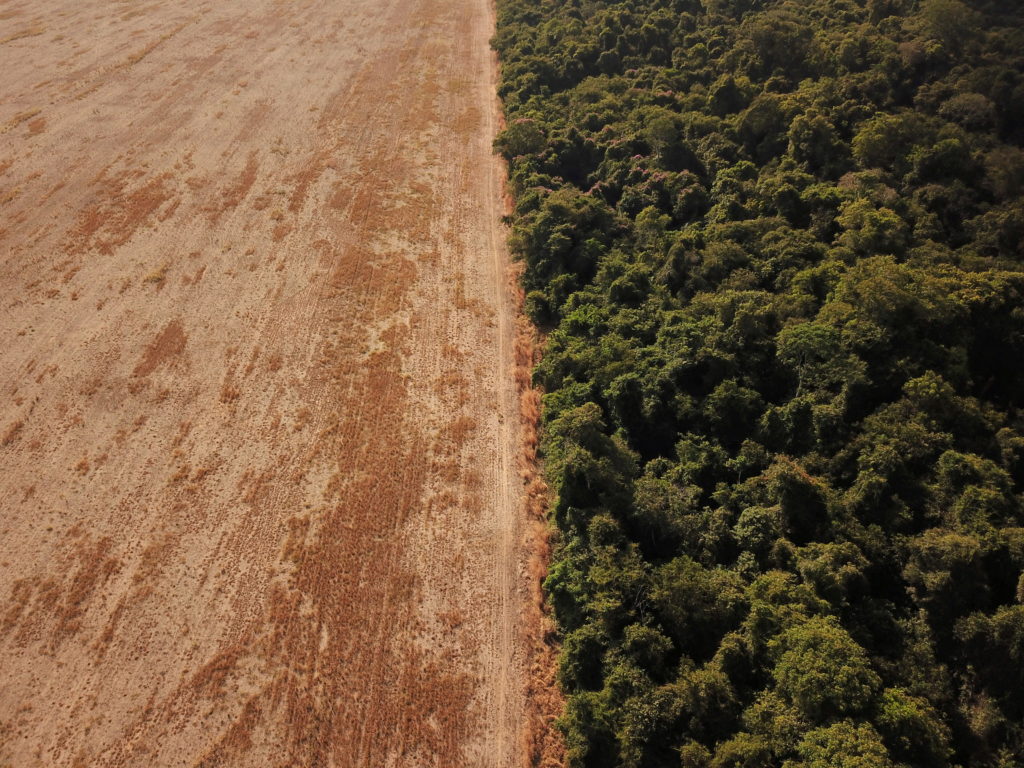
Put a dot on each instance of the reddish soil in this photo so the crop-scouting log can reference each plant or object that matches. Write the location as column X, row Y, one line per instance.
column 261, row 461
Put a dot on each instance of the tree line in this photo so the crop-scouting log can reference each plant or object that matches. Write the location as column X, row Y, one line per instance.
column 777, row 247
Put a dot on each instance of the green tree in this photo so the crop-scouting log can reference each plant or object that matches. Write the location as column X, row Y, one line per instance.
column 822, row 671
column 844, row 744
column 913, row 729
column 951, row 21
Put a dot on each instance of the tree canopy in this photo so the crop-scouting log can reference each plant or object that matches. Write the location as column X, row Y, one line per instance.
column 777, row 249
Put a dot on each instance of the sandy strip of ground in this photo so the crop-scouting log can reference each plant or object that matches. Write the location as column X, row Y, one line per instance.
column 258, row 432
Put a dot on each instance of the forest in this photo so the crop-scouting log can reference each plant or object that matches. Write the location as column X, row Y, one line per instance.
column 776, row 249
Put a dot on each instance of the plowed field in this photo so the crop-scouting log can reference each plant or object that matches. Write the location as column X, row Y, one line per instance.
column 259, row 501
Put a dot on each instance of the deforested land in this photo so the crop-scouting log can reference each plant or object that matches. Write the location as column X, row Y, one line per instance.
column 260, row 491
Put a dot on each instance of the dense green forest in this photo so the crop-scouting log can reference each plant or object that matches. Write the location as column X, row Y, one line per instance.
column 777, row 247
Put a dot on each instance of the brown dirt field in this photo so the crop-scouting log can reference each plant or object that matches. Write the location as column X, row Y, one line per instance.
column 261, row 463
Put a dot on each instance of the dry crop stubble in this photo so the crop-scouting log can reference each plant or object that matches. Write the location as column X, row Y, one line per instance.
column 263, row 466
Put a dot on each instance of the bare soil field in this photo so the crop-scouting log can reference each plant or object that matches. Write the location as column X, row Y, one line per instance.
column 259, row 495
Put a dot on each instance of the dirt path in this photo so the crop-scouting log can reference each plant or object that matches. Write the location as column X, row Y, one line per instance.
column 259, row 503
